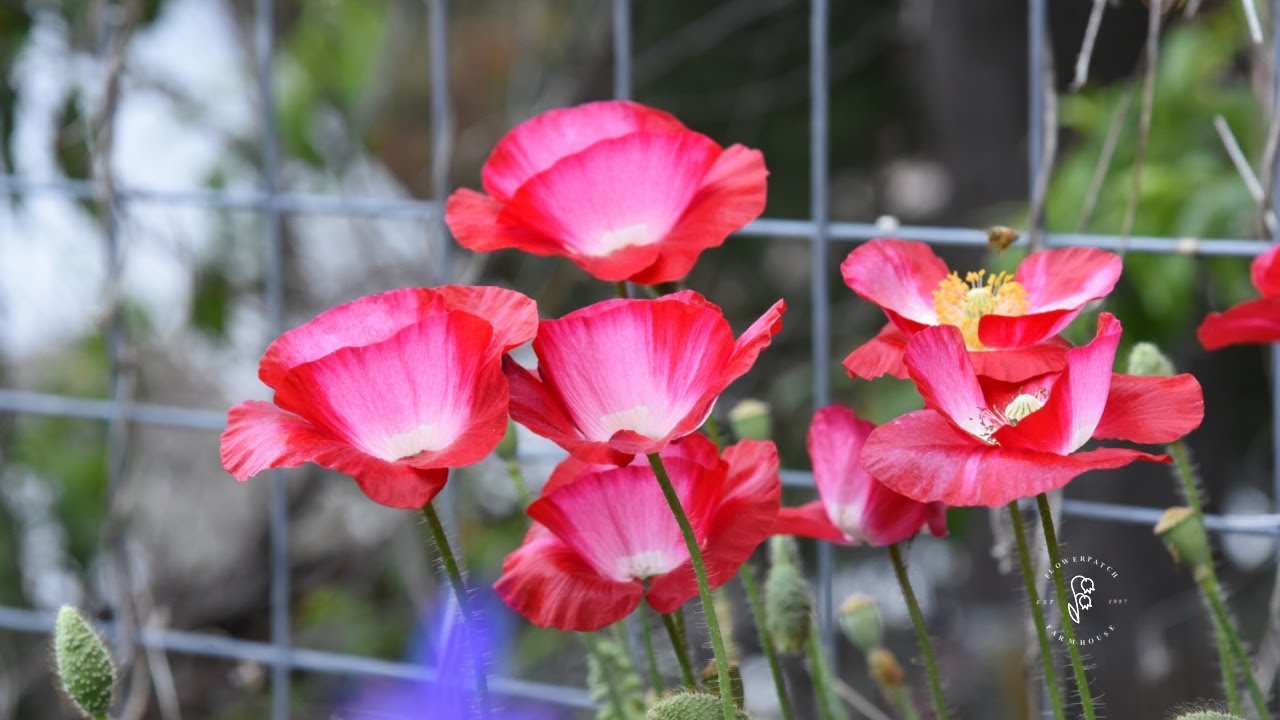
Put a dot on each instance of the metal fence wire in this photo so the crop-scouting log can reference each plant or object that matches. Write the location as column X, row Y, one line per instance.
column 273, row 203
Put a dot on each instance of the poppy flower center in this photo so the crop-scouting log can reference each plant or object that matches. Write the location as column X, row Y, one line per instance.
column 639, row 419
column 963, row 303
column 647, row 564
column 626, row 237
column 407, row 444
column 1021, row 407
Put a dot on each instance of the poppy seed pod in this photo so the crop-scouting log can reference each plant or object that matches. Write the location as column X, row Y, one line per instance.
column 1184, row 535
column 1147, row 360
column 788, row 607
column 751, row 419
column 711, row 682
column 885, row 669
column 860, row 621
column 84, row 664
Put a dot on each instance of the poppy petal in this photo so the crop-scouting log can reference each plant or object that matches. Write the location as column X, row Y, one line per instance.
column 898, row 275
column 925, row 457
column 1265, row 271
column 536, row 144
column 1251, row 322
column 552, row 586
column 477, row 223
column 1067, row 278
column 1151, row 409
column 940, row 366
column 881, row 355
column 809, row 520
column 752, row 342
column 1005, row 331
column 534, row 406
column 1019, row 364
column 732, row 194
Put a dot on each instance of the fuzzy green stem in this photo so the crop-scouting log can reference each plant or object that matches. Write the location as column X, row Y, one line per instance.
column 655, row 678
column 922, row 634
column 1227, row 666
column 1209, row 585
column 606, row 668
column 704, row 587
column 517, row 479
column 1037, row 615
column 818, row 670
column 459, row 592
column 1068, row 629
column 620, row 287
column 766, row 638
column 681, row 648
column 1189, row 487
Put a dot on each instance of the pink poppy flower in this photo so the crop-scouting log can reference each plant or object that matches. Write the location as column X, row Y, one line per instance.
column 391, row 389
column 1252, row 321
column 853, row 507
column 986, row 442
column 624, row 191
column 601, row 532
column 627, row 377
column 1009, row 323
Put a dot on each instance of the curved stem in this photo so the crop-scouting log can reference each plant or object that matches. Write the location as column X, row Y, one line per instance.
column 655, row 678
column 818, row 669
column 681, row 648
column 1037, row 615
column 464, row 606
column 766, row 638
column 917, row 619
column 1068, row 629
column 1213, row 594
column 704, row 587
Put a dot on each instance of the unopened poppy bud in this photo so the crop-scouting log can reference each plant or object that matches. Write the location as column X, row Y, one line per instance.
column 885, row 669
column 612, row 680
column 751, row 420
column 84, row 664
column 711, row 682
column 508, row 447
column 788, row 607
column 1146, row 359
column 860, row 621
column 687, row 705
column 1208, row 715
column 1183, row 533
column 783, row 550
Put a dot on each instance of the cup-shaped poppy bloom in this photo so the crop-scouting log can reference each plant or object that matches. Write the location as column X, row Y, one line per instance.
column 603, row 533
column 1009, row 323
column 986, row 442
column 391, row 389
column 853, row 507
column 626, row 377
column 1252, row 321
column 624, row 191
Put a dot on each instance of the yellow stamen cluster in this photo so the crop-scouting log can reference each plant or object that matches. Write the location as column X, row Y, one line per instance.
column 963, row 302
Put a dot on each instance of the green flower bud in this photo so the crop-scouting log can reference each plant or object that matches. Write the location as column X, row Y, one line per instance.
column 788, row 607
column 711, row 682
column 84, row 664
column 1208, row 715
column 860, row 621
column 1183, row 533
column 784, row 550
column 1146, row 359
column 689, row 706
column 885, row 669
column 751, row 420
column 611, row 678
column 507, row 448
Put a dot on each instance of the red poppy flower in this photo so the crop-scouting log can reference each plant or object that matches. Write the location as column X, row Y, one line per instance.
column 1009, row 323
column 853, row 507
column 624, row 191
column 626, row 377
column 1253, row 321
column 391, row 389
column 986, row 442
column 601, row 532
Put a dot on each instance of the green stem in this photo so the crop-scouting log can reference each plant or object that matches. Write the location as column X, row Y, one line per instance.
column 1227, row 666
column 818, row 669
column 917, row 619
column 606, row 669
column 1068, row 629
column 713, row 431
column 1209, row 584
column 459, row 592
column 766, row 638
column 1037, row 615
column 1189, row 487
column 681, row 648
column 517, row 479
column 655, row 678
column 620, row 287
column 704, row 588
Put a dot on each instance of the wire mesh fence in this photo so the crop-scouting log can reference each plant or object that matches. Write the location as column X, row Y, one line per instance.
column 281, row 654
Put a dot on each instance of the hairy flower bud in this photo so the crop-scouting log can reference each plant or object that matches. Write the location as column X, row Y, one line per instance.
column 783, row 550
column 711, row 682
column 689, row 706
column 860, row 621
column 751, row 420
column 1146, row 359
column 1183, row 533
column 1208, row 715
column 84, row 664
column 885, row 669
column 788, row 607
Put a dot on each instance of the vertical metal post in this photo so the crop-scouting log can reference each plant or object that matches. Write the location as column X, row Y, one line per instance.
column 818, row 248
column 1037, row 27
column 264, row 47
column 1275, row 347
column 622, row 49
